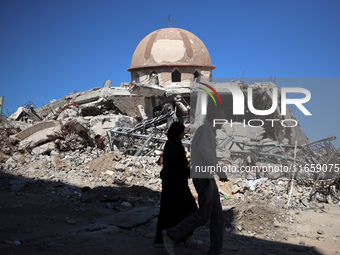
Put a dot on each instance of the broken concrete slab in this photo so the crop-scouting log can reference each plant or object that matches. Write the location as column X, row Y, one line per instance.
column 141, row 112
column 107, row 84
column 36, row 128
column 72, row 111
column 87, row 98
column 43, row 149
column 102, row 123
column 24, row 114
column 40, row 137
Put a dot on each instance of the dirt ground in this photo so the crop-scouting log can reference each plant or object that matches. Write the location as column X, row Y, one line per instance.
column 54, row 218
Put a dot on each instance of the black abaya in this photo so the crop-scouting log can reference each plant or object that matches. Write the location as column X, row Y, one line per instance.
column 177, row 201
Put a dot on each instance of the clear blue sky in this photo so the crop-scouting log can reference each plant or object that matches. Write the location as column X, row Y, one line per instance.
column 50, row 48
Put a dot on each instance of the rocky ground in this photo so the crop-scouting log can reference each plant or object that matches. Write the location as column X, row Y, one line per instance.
column 85, row 202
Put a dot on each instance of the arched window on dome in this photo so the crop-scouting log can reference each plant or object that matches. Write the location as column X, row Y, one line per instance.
column 196, row 76
column 137, row 78
column 176, row 76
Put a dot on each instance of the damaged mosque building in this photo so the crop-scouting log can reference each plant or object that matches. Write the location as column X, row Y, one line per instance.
column 166, row 69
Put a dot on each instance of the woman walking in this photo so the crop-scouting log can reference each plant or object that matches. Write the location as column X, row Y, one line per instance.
column 177, row 201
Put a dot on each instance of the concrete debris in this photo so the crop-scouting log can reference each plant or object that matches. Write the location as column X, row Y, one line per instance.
column 86, row 168
column 131, row 122
column 108, row 143
column 122, row 183
column 24, row 114
column 268, row 158
column 302, row 242
column 93, row 167
column 320, row 232
column 35, row 128
column 149, row 135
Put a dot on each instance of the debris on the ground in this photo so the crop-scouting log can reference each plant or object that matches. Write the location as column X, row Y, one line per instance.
column 105, row 146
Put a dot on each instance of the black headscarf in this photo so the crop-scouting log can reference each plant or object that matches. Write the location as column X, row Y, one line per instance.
column 174, row 135
column 175, row 131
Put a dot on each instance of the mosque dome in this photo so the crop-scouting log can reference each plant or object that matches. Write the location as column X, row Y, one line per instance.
column 170, row 47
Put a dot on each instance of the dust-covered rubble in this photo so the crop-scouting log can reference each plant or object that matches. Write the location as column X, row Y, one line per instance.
column 88, row 149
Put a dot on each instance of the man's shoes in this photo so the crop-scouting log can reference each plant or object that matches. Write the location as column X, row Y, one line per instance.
column 168, row 243
column 193, row 243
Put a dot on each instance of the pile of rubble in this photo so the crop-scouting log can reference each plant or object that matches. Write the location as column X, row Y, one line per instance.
column 105, row 137
column 92, row 167
column 89, row 167
column 89, row 171
column 94, row 162
column 277, row 192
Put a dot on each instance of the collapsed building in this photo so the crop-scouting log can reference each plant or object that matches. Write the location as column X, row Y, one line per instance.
column 167, row 67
